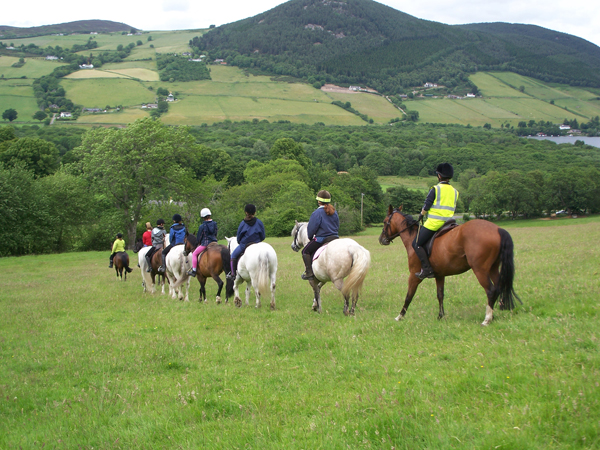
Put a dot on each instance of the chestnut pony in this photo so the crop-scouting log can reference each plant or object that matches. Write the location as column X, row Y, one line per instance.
column 213, row 261
column 121, row 263
column 478, row 245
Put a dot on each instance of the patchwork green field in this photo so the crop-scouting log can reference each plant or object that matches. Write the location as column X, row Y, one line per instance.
column 33, row 68
column 113, row 118
column 18, row 94
column 375, row 106
column 409, row 182
column 88, row 361
column 101, row 92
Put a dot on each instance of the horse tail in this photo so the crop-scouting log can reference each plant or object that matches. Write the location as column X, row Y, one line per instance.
column 226, row 261
column 507, row 272
column 263, row 273
column 361, row 260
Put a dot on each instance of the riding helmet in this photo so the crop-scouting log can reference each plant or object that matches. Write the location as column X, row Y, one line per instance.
column 445, row 170
column 205, row 212
column 177, row 218
column 324, row 196
column 119, row 235
column 160, row 222
column 250, row 209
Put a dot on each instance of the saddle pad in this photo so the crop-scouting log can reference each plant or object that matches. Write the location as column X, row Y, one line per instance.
column 449, row 225
column 319, row 251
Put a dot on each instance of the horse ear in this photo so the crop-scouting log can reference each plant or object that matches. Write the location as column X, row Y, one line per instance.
column 390, row 210
column 400, row 208
column 296, row 223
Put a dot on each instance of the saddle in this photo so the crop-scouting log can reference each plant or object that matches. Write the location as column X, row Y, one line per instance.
column 449, row 225
column 322, row 247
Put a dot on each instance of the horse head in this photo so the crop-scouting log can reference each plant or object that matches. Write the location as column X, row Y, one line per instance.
column 139, row 244
column 299, row 233
column 395, row 223
column 190, row 243
column 232, row 243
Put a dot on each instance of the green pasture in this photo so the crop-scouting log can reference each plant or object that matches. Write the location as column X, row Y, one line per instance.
column 172, row 41
column 113, row 118
column 33, row 68
column 88, row 361
column 531, row 108
column 374, row 106
column 194, row 110
column 93, row 74
column 492, row 86
column 409, row 182
column 105, row 41
column 474, row 111
column 231, row 74
column 101, row 92
column 150, row 65
column 135, row 73
column 18, row 94
column 142, row 52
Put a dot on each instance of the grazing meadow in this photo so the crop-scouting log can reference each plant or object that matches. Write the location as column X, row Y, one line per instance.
column 91, row 362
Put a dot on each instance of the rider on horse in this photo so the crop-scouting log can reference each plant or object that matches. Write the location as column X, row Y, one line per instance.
column 207, row 233
column 118, row 246
column 323, row 227
column 440, row 203
column 147, row 236
column 158, row 239
column 177, row 234
column 250, row 231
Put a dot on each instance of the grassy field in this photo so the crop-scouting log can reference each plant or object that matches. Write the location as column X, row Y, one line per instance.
column 410, row 182
column 102, row 92
column 33, row 68
column 87, row 361
column 374, row 106
column 18, row 94
column 125, row 116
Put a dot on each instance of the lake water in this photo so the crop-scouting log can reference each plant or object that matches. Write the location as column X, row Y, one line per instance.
column 594, row 141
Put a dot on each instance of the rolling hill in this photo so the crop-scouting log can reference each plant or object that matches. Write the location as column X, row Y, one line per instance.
column 365, row 42
column 79, row 26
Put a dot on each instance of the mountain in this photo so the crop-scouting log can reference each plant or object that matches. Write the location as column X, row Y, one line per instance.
column 365, row 42
column 79, row 26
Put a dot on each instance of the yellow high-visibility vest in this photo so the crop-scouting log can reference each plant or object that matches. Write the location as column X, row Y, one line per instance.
column 443, row 206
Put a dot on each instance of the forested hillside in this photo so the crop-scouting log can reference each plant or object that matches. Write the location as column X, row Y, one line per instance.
column 366, row 43
column 79, row 26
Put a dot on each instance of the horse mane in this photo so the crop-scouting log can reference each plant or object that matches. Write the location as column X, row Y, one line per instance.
column 411, row 223
column 192, row 239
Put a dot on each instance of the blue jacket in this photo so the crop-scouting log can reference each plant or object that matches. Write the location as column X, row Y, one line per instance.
column 207, row 233
column 320, row 225
column 177, row 234
column 250, row 231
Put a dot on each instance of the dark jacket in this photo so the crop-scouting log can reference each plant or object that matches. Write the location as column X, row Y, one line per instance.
column 250, row 231
column 177, row 234
column 207, row 233
column 320, row 225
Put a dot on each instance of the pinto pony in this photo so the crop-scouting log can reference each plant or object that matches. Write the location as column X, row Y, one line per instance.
column 478, row 245
column 343, row 262
column 257, row 266
column 211, row 263
column 149, row 279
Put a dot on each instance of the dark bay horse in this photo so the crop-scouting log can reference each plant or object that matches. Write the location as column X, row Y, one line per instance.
column 478, row 245
column 121, row 263
column 149, row 279
column 213, row 261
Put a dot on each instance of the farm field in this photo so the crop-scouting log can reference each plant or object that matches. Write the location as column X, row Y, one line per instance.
column 410, row 182
column 374, row 106
column 18, row 94
column 102, row 92
column 33, row 68
column 88, row 361
column 125, row 116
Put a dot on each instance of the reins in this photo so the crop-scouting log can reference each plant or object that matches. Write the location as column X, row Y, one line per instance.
column 385, row 227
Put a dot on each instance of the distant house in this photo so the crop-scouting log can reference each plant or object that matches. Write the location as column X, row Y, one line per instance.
column 86, row 66
column 53, row 106
column 94, row 32
column 10, row 48
column 186, row 54
column 454, row 96
column 65, row 115
column 50, row 57
column 470, row 95
column 170, row 98
column 138, row 34
column 195, row 60
column 150, row 106
column 354, row 88
column 219, row 60
column 93, row 110
column 403, row 96
column 564, row 127
column 129, row 34
column 430, row 85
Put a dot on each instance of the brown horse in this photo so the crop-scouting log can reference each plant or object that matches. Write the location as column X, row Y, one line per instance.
column 477, row 244
column 121, row 263
column 213, row 261
column 149, row 280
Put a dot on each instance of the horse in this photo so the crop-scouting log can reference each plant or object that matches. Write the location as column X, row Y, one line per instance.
column 258, row 266
column 149, row 278
column 343, row 262
column 177, row 266
column 211, row 263
column 121, row 263
column 478, row 245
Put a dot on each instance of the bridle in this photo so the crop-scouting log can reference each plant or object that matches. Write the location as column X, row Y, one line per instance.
column 295, row 246
column 389, row 238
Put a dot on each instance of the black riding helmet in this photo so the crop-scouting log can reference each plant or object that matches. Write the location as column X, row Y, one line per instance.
column 445, row 170
column 250, row 209
column 119, row 235
column 177, row 218
column 160, row 222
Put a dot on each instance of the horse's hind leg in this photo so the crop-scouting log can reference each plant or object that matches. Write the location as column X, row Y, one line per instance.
column 486, row 283
column 273, row 292
column 440, row 295
column 220, row 284
column 317, row 291
column 202, row 281
column 413, row 284
column 339, row 284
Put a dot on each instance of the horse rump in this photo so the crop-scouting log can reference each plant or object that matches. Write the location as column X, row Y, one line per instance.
column 361, row 260
column 507, row 272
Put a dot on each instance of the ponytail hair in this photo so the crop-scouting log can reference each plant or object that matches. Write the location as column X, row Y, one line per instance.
column 329, row 209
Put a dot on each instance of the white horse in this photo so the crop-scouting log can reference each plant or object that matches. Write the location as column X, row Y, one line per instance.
column 258, row 265
column 176, row 271
column 341, row 258
column 147, row 278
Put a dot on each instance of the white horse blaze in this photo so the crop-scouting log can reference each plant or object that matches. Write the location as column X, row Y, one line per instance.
column 257, row 266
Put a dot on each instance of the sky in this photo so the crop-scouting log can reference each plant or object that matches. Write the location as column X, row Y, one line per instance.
column 582, row 20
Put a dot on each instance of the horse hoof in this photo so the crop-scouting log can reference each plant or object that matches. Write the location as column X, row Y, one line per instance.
column 218, row 300
column 399, row 318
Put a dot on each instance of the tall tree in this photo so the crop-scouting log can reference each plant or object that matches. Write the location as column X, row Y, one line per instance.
column 10, row 114
column 136, row 164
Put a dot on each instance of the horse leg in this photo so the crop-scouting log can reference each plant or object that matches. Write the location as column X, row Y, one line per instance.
column 220, row 283
column 256, row 291
column 202, row 281
column 413, row 284
column 486, row 283
column 440, row 294
column 237, row 301
column 317, row 291
column 273, row 292
column 187, row 289
column 339, row 284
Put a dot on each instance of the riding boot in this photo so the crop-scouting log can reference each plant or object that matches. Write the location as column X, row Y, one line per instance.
column 110, row 266
column 233, row 274
column 149, row 261
column 161, row 269
column 192, row 273
column 426, row 270
column 308, row 274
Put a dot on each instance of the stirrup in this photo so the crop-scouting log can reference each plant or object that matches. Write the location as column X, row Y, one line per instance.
column 161, row 269
column 423, row 274
column 306, row 277
column 192, row 273
column 231, row 276
column 149, row 269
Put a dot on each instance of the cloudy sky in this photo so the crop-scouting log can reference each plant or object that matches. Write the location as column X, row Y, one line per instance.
column 582, row 20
